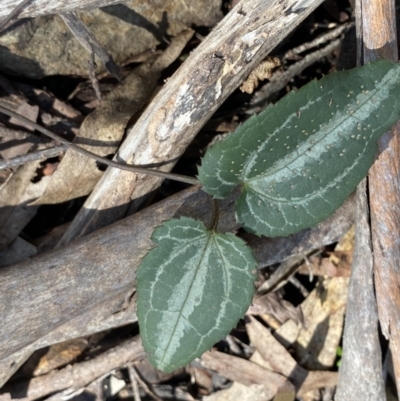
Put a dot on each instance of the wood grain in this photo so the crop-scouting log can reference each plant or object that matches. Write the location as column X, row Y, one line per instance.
column 87, row 286
column 56, row 287
column 360, row 373
column 380, row 41
column 42, row 7
column 377, row 242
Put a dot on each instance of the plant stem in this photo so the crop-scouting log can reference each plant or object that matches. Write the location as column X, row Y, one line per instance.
column 110, row 163
column 215, row 214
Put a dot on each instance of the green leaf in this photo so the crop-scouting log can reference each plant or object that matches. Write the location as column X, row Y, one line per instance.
column 299, row 159
column 192, row 290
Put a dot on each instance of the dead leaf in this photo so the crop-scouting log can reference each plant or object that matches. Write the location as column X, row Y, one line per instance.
column 12, row 147
column 56, row 356
column 324, row 312
column 260, row 73
column 29, row 112
column 283, row 363
column 16, row 196
column 287, row 333
column 273, row 352
column 245, row 372
column 238, row 391
column 103, row 129
column 273, row 305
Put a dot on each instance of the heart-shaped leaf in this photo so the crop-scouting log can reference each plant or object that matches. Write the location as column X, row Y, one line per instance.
column 192, row 290
column 299, row 159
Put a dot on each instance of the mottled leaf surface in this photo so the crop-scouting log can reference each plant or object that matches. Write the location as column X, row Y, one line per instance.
column 299, row 159
column 193, row 287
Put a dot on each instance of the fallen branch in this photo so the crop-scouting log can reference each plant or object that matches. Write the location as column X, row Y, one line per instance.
column 76, row 376
column 360, row 373
column 30, row 157
column 14, row 13
column 377, row 240
column 380, row 41
column 86, row 287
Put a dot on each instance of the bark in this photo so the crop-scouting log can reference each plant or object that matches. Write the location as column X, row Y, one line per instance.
column 380, row 41
column 41, row 7
column 76, row 376
column 360, row 373
column 377, row 242
column 87, row 286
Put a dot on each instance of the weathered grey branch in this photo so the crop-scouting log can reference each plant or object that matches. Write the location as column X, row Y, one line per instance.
column 14, row 13
column 29, row 157
column 360, row 373
column 380, row 41
column 86, row 286
column 106, row 315
column 361, row 368
column 42, row 7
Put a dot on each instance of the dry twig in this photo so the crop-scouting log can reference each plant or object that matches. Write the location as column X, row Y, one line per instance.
column 134, row 382
column 43, row 7
column 76, row 376
column 14, row 13
column 325, row 37
column 90, row 43
column 111, row 163
column 281, row 78
column 30, row 157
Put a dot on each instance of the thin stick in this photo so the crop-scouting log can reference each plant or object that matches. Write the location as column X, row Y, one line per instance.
column 146, row 388
column 14, row 13
column 110, row 163
column 89, row 42
column 330, row 35
column 8, row 134
column 280, row 80
column 134, row 384
column 30, row 157
column 92, row 76
column 74, row 378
